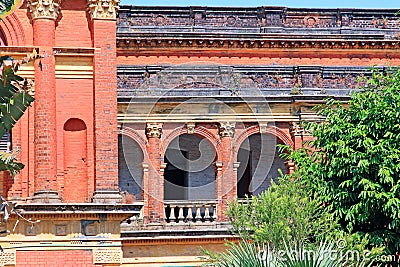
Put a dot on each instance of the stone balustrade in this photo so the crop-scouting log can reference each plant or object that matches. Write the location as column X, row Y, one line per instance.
column 177, row 211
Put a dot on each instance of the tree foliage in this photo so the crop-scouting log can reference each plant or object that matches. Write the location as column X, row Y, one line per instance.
column 14, row 100
column 325, row 254
column 284, row 213
column 353, row 163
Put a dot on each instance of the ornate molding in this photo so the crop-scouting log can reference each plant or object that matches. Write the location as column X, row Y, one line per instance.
column 103, row 9
column 190, row 127
column 167, row 40
column 154, row 129
column 44, row 9
column 107, row 256
column 227, row 129
column 263, row 127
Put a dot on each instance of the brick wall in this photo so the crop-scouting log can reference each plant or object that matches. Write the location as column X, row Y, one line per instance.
column 73, row 28
column 75, row 101
column 67, row 258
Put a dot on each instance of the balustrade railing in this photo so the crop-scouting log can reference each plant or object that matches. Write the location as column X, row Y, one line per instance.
column 190, row 211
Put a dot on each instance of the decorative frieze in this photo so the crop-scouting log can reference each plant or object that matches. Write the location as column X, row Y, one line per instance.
column 103, row 9
column 105, row 256
column 8, row 258
column 44, row 9
column 154, row 129
column 227, row 129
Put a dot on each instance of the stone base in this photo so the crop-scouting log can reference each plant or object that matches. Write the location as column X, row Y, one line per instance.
column 107, row 197
column 46, row 196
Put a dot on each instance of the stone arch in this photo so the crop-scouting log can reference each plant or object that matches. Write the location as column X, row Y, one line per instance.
column 129, row 132
column 255, row 129
column 198, row 130
column 13, row 30
column 75, row 161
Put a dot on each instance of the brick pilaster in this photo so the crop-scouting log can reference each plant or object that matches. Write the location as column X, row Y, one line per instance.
column 44, row 16
column 105, row 100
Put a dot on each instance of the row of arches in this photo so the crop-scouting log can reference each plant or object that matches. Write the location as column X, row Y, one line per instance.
column 190, row 165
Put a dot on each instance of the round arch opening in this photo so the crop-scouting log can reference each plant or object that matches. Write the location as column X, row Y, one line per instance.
column 130, row 168
column 189, row 173
column 259, row 164
column 75, row 161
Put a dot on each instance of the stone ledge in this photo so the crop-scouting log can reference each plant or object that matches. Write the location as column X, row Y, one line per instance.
column 163, row 261
column 81, row 208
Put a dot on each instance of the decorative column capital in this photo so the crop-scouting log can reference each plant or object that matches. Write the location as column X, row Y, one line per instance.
column 227, row 128
column 296, row 129
column 103, row 9
column 44, row 9
column 154, row 129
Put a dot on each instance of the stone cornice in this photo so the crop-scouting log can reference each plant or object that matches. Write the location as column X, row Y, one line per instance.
column 103, row 9
column 79, row 208
column 217, row 42
column 44, row 9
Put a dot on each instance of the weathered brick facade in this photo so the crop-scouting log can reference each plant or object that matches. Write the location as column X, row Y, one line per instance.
column 216, row 88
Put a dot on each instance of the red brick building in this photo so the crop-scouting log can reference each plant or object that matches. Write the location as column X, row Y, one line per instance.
column 164, row 114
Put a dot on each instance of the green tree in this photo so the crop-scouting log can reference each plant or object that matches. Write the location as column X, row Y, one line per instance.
column 284, row 214
column 14, row 100
column 353, row 164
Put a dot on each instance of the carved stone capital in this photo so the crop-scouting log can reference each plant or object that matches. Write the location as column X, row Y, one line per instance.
column 227, row 129
column 297, row 129
column 218, row 166
column 44, row 9
column 103, row 9
column 154, row 129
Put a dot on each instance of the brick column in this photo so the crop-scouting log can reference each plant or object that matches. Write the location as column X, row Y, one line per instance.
column 154, row 197
column 227, row 182
column 103, row 22
column 44, row 16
